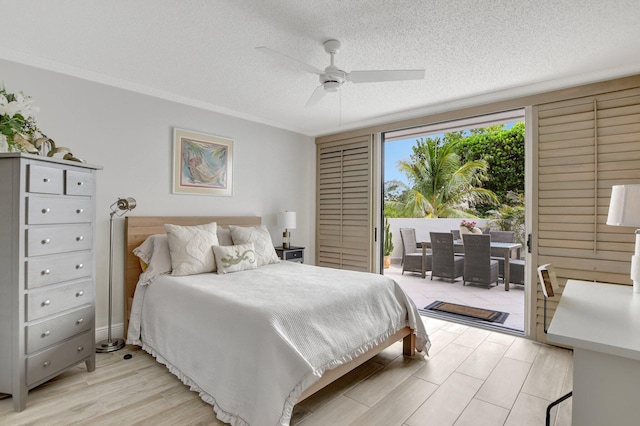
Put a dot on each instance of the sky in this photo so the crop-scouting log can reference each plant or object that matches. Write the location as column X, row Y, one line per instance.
column 394, row 152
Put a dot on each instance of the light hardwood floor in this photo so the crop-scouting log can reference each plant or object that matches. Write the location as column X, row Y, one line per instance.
column 472, row 377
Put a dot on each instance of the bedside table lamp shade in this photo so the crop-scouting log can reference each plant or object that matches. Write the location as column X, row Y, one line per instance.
column 286, row 221
column 624, row 210
column 119, row 208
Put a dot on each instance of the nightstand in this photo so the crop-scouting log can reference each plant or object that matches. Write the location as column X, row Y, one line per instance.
column 292, row 254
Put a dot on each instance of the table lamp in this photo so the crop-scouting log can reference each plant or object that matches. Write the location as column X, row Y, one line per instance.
column 624, row 210
column 119, row 208
column 286, row 220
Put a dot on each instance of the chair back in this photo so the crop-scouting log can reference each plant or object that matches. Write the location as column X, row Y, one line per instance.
column 502, row 236
column 442, row 247
column 409, row 244
column 456, row 234
column 477, row 253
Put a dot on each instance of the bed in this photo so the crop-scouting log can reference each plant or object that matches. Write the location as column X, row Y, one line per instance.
column 256, row 342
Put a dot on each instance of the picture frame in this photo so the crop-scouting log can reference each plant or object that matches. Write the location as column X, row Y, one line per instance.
column 202, row 163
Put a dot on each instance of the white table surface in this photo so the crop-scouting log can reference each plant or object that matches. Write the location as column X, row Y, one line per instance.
column 598, row 317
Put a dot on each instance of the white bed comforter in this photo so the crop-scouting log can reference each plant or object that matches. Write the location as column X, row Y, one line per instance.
column 251, row 342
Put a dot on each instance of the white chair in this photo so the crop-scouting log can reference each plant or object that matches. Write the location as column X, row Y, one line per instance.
column 549, row 283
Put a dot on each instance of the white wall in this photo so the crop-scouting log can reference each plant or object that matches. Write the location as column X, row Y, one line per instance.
column 131, row 137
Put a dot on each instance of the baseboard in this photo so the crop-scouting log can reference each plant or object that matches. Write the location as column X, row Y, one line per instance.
column 117, row 330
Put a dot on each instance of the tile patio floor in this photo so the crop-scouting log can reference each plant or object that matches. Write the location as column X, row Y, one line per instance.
column 424, row 291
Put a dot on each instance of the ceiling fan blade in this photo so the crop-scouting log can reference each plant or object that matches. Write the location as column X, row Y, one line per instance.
column 316, row 96
column 384, row 75
column 297, row 62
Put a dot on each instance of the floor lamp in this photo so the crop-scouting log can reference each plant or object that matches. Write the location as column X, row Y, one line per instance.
column 119, row 208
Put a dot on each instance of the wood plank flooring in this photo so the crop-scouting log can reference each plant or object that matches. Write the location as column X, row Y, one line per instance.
column 472, row 377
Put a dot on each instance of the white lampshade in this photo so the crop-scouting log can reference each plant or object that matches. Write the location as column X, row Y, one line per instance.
column 287, row 220
column 624, row 208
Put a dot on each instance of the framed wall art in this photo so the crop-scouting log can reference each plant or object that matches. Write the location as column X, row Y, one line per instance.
column 202, row 164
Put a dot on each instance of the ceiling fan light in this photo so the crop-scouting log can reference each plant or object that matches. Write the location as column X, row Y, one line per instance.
column 331, row 86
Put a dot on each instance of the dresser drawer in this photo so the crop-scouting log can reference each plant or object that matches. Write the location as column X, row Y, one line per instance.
column 53, row 360
column 59, row 239
column 46, row 333
column 50, row 301
column 78, row 183
column 54, row 269
column 45, row 210
column 43, row 179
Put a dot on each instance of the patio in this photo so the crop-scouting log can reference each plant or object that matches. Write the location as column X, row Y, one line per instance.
column 424, row 291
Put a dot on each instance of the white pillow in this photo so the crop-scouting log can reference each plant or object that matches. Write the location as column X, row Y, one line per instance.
column 261, row 239
column 241, row 257
column 154, row 252
column 224, row 237
column 190, row 248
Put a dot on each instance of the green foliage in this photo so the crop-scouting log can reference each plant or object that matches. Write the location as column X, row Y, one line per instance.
column 503, row 150
column 441, row 185
column 510, row 217
column 388, row 243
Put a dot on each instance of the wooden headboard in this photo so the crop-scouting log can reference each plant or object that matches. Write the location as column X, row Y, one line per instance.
column 138, row 228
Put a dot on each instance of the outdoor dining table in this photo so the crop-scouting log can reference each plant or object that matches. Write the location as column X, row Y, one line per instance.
column 507, row 249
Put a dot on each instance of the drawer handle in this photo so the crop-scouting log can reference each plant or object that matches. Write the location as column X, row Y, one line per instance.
column 45, row 211
column 80, row 293
column 80, row 183
column 79, row 266
column 46, row 241
column 46, row 302
column 45, row 334
column 46, row 272
column 80, row 348
column 80, row 321
column 46, row 364
column 46, row 180
column 80, row 238
column 80, row 211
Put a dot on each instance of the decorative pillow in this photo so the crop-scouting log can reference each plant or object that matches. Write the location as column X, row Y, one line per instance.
column 224, row 237
column 154, row 257
column 261, row 239
column 190, row 248
column 241, row 257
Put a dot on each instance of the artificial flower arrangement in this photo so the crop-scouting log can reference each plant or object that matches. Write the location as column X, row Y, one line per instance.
column 469, row 225
column 19, row 131
column 17, row 122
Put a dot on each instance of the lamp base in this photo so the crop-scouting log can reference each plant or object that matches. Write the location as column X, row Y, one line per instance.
column 109, row 346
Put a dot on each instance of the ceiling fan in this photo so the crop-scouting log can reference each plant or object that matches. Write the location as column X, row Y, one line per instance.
column 333, row 77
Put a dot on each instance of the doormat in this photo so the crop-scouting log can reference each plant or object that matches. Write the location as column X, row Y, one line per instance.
column 468, row 311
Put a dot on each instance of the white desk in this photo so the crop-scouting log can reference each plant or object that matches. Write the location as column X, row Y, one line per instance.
column 602, row 323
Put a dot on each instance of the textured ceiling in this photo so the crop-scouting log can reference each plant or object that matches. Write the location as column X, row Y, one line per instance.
column 202, row 52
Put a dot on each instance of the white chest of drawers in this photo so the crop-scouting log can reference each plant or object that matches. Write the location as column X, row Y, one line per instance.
column 47, row 309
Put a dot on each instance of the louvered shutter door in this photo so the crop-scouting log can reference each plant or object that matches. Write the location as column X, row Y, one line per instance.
column 344, row 204
column 585, row 146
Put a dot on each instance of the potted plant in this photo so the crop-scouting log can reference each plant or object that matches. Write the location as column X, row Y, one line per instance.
column 388, row 244
column 469, row 227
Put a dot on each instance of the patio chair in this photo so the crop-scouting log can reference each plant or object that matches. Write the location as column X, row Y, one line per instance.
column 502, row 237
column 414, row 260
column 516, row 270
column 479, row 268
column 457, row 249
column 445, row 263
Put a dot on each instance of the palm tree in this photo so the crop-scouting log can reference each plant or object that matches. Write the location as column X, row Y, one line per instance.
column 441, row 186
